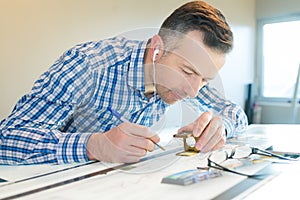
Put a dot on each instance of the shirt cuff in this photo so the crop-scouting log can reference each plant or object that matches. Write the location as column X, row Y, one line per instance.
column 228, row 127
column 72, row 148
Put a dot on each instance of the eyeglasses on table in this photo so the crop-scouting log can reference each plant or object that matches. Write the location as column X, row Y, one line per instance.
column 216, row 158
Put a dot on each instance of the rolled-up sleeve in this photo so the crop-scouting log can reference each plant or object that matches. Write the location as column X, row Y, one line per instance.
column 33, row 132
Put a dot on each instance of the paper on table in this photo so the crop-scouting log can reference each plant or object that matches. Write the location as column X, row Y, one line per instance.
column 15, row 173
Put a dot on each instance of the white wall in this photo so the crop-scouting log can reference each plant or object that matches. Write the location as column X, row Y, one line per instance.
column 34, row 33
column 276, row 112
column 276, row 8
column 239, row 68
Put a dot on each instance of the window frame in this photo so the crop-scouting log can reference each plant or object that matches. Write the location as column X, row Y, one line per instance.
column 259, row 75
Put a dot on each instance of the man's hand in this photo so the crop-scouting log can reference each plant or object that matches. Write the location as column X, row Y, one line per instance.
column 125, row 143
column 210, row 131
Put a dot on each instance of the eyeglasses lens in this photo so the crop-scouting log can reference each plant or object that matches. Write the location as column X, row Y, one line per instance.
column 242, row 152
column 218, row 156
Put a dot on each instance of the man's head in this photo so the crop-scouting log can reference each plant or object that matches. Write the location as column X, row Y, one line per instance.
column 192, row 42
column 197, row 16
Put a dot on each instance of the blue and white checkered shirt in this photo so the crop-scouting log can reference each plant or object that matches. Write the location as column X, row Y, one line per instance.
column 69, row 102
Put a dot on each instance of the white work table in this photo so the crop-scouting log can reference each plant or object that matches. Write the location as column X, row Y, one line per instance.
column 97, row 180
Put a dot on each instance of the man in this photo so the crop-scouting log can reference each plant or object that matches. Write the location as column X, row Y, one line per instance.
column 67, row 116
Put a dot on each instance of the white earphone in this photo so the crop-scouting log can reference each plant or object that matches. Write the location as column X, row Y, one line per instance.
column 155, row 53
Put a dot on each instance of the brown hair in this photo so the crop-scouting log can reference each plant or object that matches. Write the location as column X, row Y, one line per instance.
column 198, row 15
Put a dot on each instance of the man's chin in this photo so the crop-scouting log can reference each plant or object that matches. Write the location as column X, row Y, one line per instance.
column 173, row 102
column 169, row 97
column 170, row 101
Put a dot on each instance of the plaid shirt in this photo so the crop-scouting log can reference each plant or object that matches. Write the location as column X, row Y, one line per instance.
column 69, row 102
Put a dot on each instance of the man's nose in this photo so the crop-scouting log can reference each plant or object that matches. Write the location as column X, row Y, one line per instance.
column 194, row 87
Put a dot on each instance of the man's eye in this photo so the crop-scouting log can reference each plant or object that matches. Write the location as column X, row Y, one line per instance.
column 188, row 72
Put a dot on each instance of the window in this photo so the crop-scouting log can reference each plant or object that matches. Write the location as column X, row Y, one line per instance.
column 279, row 58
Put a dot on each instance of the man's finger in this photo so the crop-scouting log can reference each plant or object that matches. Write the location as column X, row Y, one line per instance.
column 187, row 128
column 155, row 138
column 137, row 130
column 216, row 141
column 143, row 143
column 201, row 123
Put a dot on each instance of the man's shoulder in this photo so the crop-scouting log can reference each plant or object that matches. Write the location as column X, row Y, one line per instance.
column 117, row 44
column 108, row 51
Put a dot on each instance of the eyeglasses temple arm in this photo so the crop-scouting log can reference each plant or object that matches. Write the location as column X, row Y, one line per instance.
column 220, row 167
column 256, row 150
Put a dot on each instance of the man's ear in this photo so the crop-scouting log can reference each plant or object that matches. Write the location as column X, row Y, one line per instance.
column 157, row 47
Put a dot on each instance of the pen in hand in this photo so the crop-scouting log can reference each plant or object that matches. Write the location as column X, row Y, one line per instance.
column 123, row 119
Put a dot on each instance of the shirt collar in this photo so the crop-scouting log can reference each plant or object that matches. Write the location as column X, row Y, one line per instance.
column 136, row 67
